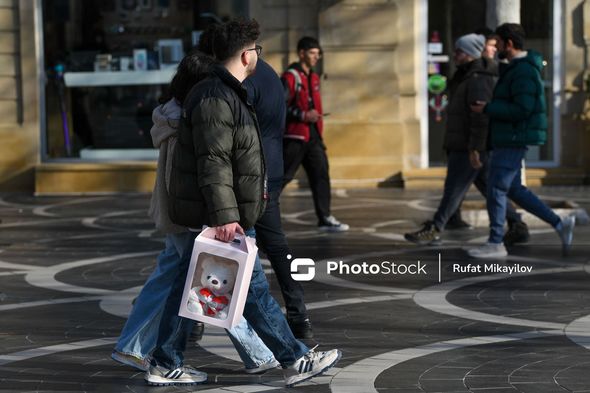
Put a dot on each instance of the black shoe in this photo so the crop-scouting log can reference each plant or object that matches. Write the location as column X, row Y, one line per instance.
column 197, row 333
column 301, row 329
column 457, row 223
column 518, row 232
column 428, row 235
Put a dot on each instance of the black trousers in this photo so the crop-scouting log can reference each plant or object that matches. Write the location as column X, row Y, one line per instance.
column 271, row 239
column 312, row 155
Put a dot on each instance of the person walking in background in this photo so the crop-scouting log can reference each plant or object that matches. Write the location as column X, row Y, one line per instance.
column 265, row 92
column 466, row 135
column 303, row 137
column 518, row 231
column 518, row 118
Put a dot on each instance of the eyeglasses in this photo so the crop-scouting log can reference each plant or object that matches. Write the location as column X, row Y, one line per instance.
column 257, row 48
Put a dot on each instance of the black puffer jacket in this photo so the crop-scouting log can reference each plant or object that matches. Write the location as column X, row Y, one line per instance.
column 474, row 81
column 218, row 169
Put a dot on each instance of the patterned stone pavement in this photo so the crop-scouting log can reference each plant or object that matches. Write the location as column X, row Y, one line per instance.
column 69, row 267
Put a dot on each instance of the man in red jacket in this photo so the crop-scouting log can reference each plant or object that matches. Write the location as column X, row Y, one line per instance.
column 303, row 144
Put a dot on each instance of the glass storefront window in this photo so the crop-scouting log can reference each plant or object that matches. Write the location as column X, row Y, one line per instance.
column 107, row 63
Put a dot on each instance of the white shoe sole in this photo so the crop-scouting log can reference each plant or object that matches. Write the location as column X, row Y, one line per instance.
column 341, row 228
column 309, row 375
column 488, row 256
column 155, row 380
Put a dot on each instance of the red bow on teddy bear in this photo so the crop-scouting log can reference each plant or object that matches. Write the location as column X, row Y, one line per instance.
column 211, row 304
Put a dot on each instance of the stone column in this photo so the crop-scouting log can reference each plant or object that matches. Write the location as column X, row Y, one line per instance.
column 502, row 11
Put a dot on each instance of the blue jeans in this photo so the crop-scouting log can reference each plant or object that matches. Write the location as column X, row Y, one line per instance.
column 504, row 181
column 140, row 333
column 460, row 176
column 262, row 312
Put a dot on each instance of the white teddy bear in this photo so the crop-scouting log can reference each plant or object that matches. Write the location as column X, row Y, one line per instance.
column 217, row 281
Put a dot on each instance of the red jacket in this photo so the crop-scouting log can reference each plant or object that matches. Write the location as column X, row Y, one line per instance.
column 298, row 101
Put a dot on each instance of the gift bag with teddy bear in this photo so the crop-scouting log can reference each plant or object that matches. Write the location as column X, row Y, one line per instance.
column 218, row 278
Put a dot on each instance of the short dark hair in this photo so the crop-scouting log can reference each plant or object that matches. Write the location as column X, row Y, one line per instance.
column 206, row 39
column 306, row 43
column 193, row 68
column 513, row 32
column 231, row 37
column 486, row 32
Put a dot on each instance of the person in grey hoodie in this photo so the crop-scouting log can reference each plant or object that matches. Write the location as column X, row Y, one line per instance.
column 140, row 333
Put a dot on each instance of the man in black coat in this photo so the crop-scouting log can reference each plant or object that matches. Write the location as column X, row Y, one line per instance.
column 265, row 92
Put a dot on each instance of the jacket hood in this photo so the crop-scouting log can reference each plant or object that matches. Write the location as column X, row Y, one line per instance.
column 483, row 65
column 166, row 118
column 534, row 58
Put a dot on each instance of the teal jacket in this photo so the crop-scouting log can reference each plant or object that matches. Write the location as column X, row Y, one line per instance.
column 517, row 112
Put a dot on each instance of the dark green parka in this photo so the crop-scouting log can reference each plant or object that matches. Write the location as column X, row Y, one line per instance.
column 518, row 114
column 218, row 171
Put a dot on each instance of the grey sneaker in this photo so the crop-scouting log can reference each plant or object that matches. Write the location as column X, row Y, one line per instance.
column 488, row 250
column 160, row 376
column 310, row 365
column 130, row 360
column 428, row 235
column 263, row 367
column 331, row 224
column 566, row 232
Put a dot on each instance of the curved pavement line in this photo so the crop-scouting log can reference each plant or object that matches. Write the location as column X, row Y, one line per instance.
column 434, row 298
column 13, row 273
column 361, row 376
column 578, row 331
column 90, row 222
column 16, row 266
column 45, row 277
column 416, row 204
column 42, row 210
column 294, row 217
column 49, row 350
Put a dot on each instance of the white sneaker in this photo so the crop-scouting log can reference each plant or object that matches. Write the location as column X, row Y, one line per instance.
column 310, row 365
column 331, row 224
column 488, row 250
column 263, row 367
column 566, row 233
column 160, row 376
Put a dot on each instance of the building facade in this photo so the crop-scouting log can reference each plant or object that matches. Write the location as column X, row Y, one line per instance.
column 79, row 80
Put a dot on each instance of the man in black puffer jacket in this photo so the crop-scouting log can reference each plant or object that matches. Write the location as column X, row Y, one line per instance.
column 218, row 179
column 466, row 137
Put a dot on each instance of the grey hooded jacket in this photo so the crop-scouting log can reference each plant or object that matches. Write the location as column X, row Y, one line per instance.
column 164, row 136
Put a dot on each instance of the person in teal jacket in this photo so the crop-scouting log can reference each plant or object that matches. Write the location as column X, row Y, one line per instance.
column 518, row 118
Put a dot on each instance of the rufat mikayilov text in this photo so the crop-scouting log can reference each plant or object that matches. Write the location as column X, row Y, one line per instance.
column 491, row 268
column 385, row 267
